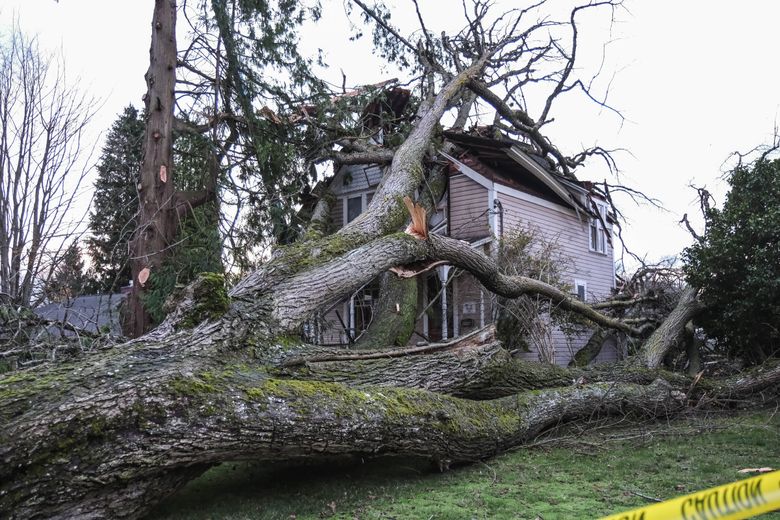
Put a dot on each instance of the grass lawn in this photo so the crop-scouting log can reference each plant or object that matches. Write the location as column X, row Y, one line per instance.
column 577, row 476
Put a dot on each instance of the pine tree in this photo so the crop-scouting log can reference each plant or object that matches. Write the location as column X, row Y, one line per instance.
column 113, row 217
column 68, row 279
column 115, row 207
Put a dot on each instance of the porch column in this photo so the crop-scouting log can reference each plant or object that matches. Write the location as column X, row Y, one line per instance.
column 443, row 272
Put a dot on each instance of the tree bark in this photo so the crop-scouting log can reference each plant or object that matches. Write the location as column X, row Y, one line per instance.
column 692, row 349
column 591, row 349
column 157, row 222
column 671, row 331
column 112, row 435
column 394, row 315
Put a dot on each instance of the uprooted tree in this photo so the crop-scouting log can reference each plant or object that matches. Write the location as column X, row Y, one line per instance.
column 226, row 376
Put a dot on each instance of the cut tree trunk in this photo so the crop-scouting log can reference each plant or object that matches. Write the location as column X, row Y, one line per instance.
column 157, row 222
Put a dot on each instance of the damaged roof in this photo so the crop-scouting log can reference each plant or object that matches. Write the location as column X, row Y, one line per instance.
column 518, row 166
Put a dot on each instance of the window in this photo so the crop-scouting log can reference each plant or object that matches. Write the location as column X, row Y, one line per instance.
column 362, row 308
column 597, row 234
column 356, row 205
column 581, row 289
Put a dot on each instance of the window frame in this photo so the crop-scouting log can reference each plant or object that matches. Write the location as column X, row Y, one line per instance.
column 365, row 197
column 580, row 283
column 595, row 225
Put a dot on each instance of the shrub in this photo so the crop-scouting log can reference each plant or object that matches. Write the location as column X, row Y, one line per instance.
column 736, row 264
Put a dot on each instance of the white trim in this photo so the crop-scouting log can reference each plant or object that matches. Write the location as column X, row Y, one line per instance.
column 573, row 186
column 584, row 284
column 469, row 172
column 533, row 199
column 455, row 309
column 363, row 203
column 481, row 242
column 443, row 272
column 351, row 324
column 600, row 231
column 492, row 222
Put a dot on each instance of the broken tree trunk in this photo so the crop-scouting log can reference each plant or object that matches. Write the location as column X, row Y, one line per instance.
column 672, row 330
column 148, row 422
column 112, row 435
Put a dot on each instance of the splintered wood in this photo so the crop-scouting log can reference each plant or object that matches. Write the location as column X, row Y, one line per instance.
column 419, row 226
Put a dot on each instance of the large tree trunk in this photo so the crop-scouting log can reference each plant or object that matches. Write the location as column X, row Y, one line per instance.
column 157, row 222
column 112, row 435
column 394, row 315
column 672, row 330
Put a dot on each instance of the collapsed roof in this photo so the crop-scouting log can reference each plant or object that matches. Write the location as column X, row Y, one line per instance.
column 518, row 166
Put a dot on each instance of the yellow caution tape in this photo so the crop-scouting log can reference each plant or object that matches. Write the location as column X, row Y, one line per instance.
column 743, row 499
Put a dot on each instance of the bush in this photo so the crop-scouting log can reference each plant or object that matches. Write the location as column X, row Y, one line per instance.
column 736, row 264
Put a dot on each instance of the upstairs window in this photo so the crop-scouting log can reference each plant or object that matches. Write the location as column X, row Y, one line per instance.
column 598, row 235
column 356, row 205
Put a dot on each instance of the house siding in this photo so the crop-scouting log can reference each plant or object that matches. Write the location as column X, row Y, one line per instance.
column 350, row 181
column 337, row 214
column 468, row 209
column 564, row 228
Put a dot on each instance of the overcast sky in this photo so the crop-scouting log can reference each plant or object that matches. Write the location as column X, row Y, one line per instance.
column 696, row 81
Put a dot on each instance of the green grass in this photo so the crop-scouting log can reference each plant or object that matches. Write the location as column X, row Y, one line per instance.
column 585, row 476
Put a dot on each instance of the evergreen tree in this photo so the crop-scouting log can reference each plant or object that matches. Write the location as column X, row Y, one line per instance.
column 114, row 209
column 735, row 264
column 68, row 279
column 198, row 247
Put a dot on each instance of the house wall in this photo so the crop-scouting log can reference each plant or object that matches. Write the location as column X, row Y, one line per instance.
column 468, row 209
column 350, row 181
column 474, row 304
column 563, row 227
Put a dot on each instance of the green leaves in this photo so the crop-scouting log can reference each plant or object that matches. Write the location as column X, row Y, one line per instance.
column 115, row 204
column 737, row 264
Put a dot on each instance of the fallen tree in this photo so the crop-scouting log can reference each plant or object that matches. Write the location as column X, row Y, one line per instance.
column 227, row 377
column 109, row 436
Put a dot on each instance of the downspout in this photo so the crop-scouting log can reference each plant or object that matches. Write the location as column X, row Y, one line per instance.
column 500, row 207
